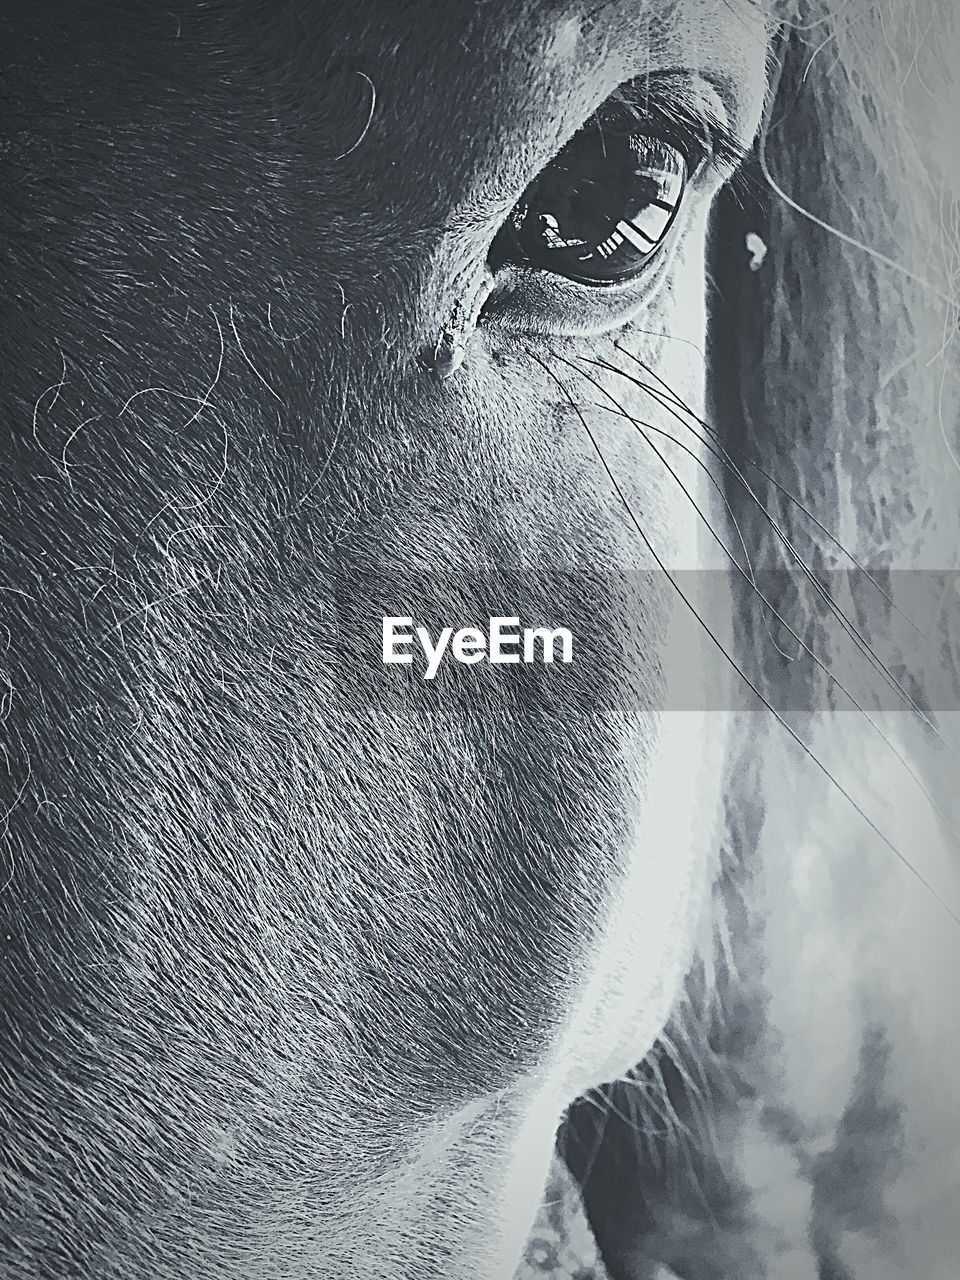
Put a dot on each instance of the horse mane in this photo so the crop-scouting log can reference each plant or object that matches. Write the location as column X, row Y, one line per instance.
column 859, row 299
column 833, row 379
column 847, row 393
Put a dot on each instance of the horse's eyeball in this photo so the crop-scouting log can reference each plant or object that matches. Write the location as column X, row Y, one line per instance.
column 600, row 209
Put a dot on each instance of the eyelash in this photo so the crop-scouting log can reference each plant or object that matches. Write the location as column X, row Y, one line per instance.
column 701, row 136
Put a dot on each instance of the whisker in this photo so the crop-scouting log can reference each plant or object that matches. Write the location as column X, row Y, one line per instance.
column 596, row 1099
column 848, row 626
column 794, row 501
column 804, row 747
column 698, row 1093
column 656, row 1105
column 640, row 427
column 751, row 577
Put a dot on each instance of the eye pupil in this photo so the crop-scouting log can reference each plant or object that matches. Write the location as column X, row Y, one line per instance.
column 600, row 209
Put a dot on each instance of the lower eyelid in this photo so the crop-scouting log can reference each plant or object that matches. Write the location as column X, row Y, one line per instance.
column 536, row 302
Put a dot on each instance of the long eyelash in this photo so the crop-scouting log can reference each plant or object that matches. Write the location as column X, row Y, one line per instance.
column 789, row 729
column 672, row 403
column 660, row 109
column 724, row 456
column 642, row 428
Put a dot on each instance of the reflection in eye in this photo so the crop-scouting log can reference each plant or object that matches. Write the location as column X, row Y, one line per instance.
column 601, row 208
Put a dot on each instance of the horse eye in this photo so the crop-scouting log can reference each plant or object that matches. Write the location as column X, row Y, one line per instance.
column 599, row 211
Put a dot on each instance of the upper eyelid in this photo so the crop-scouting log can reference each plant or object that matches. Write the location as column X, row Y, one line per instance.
column 695, row 97
column 669, row 104
column 680, row 108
